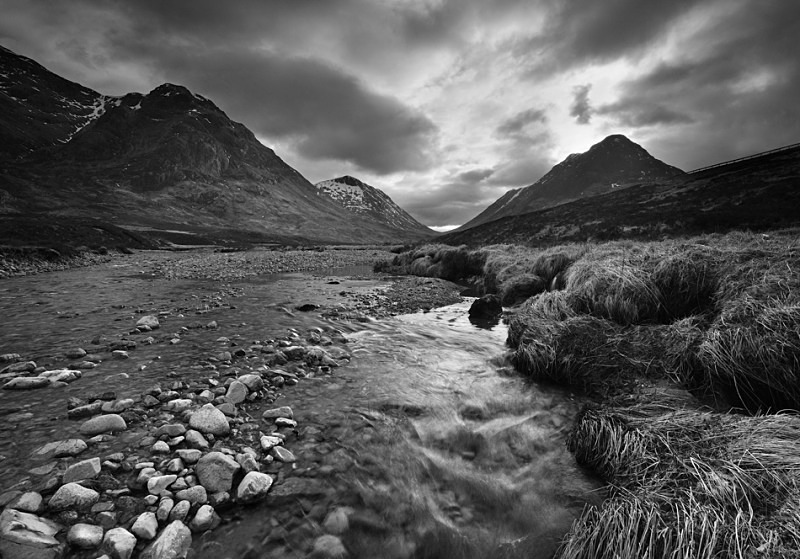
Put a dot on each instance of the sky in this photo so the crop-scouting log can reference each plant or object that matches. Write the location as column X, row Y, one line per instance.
column 445, row 104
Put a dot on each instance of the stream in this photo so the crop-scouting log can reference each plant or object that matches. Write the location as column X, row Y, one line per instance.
column 425, row 445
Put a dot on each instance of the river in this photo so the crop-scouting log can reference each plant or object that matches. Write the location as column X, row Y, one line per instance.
column 425, row 445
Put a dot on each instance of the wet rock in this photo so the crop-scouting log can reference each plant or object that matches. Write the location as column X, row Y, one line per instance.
column 487, row 307
column 160, row 447
column 283, row 411
column 128, row 507
column 26, row 383
column 171, row 430
column 294, row 353
column 75, row 353
column 270, row 441
column 10, row 357
column 22, row 367
column 237, row 392
column 118, row 543
column 285, row 422
column 60, row 449
column 283, row 455
column 73, row 496
column 30, row 501
column 87, row 410
column 328, row 547
column 117, row 406
column 180, row 511
column 164, row 508
column 103, row 424
column 196, row 440
column 174, row 542
column 337, row 522
column 158, row 484
column 248, row 462
column 228, row 409
column 253, row 487
column 27, row 536
column 61, row 375
column 215, row 471
column 145, row 527
column 196, row 495
column 209, row 419
column 85, row 536
column 206, row 518
column 292, row 489
column 178, row 405
column 189, row 455
column 254, row 383
column 85, row 469
column 119, row 354
column 150, row 321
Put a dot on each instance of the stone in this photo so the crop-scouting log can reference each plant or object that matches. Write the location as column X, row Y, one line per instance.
column 118, row 543
column 23, row 367
column 128, row 507
column 285, row 422
column 283, row 455
column 196, row 440
column 294, row 353
column 171, row 430
column 145, row 527
column 253, row 487
column 160, row 447
column 338, row 521
column 270, row 441
column 189, row 455
column 180, row 511
column 85, row 469
column 215, row 471
column 150, row 320
column 164, row 508
column 204, row 519
column 209, row 419
column 61, row 375
column 248, row 462
column 175, row 466
column 178, row 405
column 254, row 383
column 60, row 449
column 174, row 542
column 487, row 307
column 119, row 354
column 237, row 392
column 30, row 501
column 283, row 411
column 106, row 519
column 116, row 406
column 108, row 423
column 27, row 536
column 150, row 401
column 10, row 357
column 158, row 484
column 328, row 547
column 87, row 410
column 73, row 496
column 85, row 536
column 196, row 495
column 292, row 489
column 26, row 383
column 75, row 353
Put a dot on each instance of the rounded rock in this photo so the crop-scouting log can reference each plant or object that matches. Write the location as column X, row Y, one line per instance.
column 174, row 542
column 118, row 543
column 85, row 536
column 215, row 471
column 108, row 423
column 73, row 496
column 209, row 419
column 253, row 487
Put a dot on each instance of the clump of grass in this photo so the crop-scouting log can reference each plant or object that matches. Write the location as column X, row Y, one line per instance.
column 687, row 282
column 688, row 484
column 520, row 288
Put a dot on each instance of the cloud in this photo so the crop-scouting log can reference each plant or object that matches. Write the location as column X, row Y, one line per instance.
column 517, row 123
column 637, row 113
column 475, row 176
column 580, row 108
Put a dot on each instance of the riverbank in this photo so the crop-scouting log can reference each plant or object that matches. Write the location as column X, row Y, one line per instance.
column 691, row 352
column 144, row 382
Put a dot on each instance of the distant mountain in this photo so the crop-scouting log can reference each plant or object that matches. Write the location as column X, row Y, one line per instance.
column 759, row 194
column 169, row 163
column 616, row 162
column 372, row 203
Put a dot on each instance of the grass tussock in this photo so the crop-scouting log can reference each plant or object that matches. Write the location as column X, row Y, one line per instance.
column 689, row 484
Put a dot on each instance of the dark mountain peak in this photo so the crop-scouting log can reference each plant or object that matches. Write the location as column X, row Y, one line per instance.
column 612, row 163
column 352, row 181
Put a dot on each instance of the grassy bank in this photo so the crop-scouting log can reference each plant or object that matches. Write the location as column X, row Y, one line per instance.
column 691, row 349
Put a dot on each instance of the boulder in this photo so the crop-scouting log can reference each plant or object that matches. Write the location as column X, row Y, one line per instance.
column 254, row 383
column 253, row 487
column 27, row 536
column 158, row 484
column 85, row 469
column 487, row 307
column 145, row 527
column 237, row 392
column 108, row 423
column 209, row 419
column 196, row 495
column 215, row 471
column 26, row 383
column 118, row 543
column 150, row 320
column 173, row 542
column 85, row 536
column 73, row 496
column 204, row 519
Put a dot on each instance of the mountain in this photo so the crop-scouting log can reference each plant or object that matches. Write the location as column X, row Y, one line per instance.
column 759, row 193
column 372, row 203
column 168, row 164
column 615, row 162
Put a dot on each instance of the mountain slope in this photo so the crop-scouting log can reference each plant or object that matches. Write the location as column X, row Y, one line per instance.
column 169, row 160
column 615, row 162
column 760, row 194
column 372, row 203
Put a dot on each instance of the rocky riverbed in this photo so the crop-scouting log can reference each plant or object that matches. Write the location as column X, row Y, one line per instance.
column 171, row 421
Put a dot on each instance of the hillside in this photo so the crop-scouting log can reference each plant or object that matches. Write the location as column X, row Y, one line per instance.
column 759, row 194
column 615, row 162
column 373, row 204
column 168, row 164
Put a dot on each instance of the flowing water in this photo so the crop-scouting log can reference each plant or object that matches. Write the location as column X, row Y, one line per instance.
column 425, row 445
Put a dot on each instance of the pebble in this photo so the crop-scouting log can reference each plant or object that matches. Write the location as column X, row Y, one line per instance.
column 283, row 455
column 329, row 547
column 215, row 471
column 254, row 487
column 254, row 383
column 145, row 527
column 206, row 518
column 73, row 496
column 189, row 455
column 196, row 440
column 180, row 511
column 237, row 392
column 196, row 495
column 103, row 424
column 157, row 484
column 75, row 353
column 119, row 354
column 164, row 508
column 30, row 501
column 270, row 441
column 160, row 447
column 150, row 321
column 284, row 411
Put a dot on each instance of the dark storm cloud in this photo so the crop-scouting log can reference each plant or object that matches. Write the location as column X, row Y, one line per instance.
column 516, row 123
column 581, row 108
column 475, row 175
column 637, row 113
